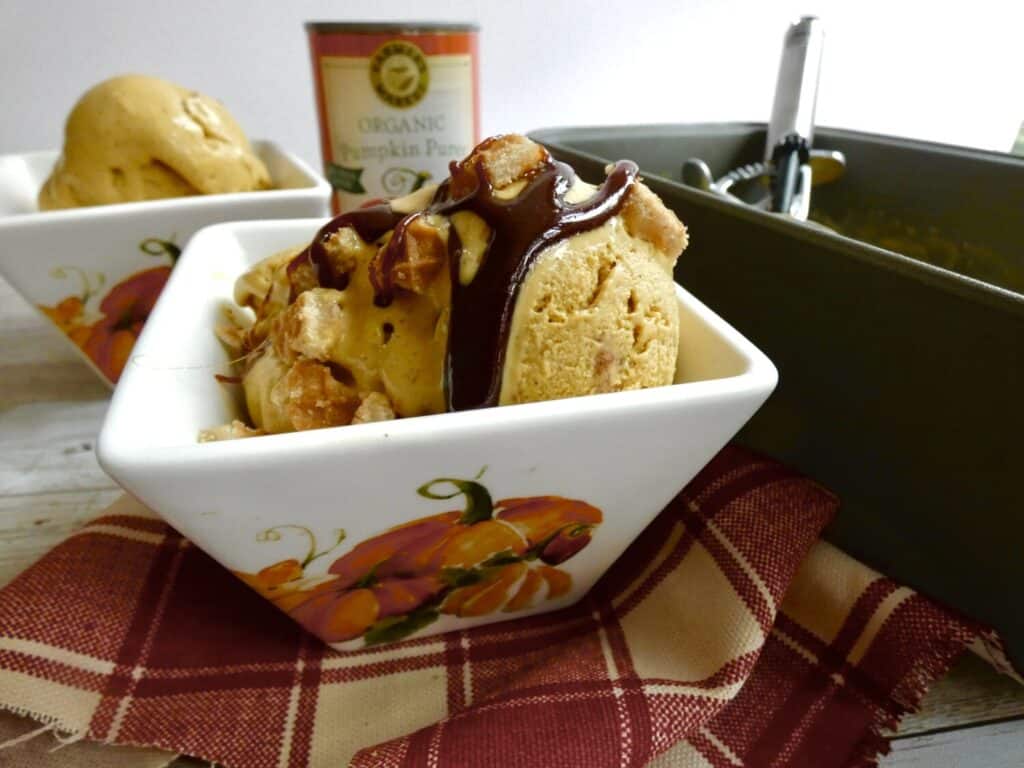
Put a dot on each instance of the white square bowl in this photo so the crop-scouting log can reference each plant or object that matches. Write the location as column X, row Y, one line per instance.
column 80, row 255
column 263, row 506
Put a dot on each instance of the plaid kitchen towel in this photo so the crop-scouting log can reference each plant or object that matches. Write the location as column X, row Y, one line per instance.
column 727, row 635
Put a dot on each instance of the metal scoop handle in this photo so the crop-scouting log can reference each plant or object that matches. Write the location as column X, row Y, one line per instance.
column 796, row 90
column 791, row 129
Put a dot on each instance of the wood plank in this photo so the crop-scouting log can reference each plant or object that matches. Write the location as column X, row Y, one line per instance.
column 50, row 447
column 998, row 745
column 971, row 693
column 48, row 381
column 34, row 341
column 31, row 525
column 26, row 336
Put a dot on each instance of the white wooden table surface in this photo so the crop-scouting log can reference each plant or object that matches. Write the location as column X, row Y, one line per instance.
column 51, row 406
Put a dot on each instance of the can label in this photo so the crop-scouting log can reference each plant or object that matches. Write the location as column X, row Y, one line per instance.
column 394, row 110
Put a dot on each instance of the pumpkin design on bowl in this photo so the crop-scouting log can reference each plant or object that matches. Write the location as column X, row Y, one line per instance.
column 107, row 337
column 488, row 557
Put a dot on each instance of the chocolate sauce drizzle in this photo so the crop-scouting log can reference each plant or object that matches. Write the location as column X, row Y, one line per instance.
column 370, row 223
column 481, row 312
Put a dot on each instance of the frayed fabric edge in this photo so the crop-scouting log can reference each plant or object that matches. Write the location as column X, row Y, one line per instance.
column 908, row 695
column 989, row 647
column 60, row 730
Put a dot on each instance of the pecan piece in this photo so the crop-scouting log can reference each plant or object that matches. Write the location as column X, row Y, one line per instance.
column 503, row 160
column 233, row 431
column 413, row 256
column 375, row 407
column 311, row 397
column 309, row 326
column 647, row 218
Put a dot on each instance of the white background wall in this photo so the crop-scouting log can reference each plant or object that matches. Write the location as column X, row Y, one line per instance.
column 951, row 72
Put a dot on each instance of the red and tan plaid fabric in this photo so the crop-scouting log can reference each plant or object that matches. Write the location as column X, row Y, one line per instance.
column 727, row 635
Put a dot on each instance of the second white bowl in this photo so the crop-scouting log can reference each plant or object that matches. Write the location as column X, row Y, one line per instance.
column 96, row 271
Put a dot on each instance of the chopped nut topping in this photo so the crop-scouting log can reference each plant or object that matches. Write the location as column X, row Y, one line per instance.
column 310, row 325
column 647, row 218
column 233, row 431
column 259, row 288
column 426, row 252
column 298, row 278
column 343, row 249
column 503, row 160
column 375, row 407
column 312, row 398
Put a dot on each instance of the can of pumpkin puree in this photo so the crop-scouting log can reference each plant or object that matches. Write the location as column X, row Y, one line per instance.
column 396, row 103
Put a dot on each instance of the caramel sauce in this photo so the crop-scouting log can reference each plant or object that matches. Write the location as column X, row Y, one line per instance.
column 481, row 312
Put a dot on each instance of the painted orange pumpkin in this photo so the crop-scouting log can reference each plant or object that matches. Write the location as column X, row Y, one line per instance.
column 125, row 309
column 66, row 314
column 108, row 342
column 485, row 558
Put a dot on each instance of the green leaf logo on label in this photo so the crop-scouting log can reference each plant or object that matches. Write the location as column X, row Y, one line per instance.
column 345, row 179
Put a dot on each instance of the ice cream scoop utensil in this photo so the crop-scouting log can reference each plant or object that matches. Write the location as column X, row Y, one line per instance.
column 782, row 181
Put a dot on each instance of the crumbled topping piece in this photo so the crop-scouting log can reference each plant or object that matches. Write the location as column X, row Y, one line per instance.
column 375, row 407
column 311, row 398
column 426, row 253
column 233, row 431
column 310, row 325
column 503, row 161
column 264, row 288
column 647, row 218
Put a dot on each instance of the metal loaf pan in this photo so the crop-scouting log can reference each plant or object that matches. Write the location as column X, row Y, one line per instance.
column 901, row 383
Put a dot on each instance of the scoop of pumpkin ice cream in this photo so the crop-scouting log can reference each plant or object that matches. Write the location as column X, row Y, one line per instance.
column 598, row 313
column 134, row 138
column 357, row 326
